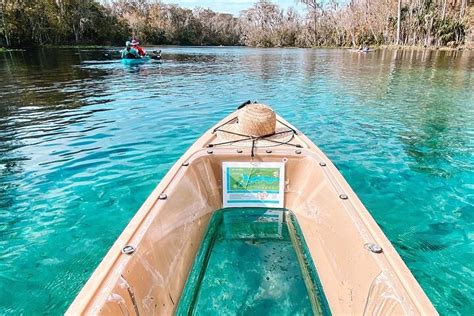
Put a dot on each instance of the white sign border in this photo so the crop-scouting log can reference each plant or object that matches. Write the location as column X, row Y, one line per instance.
column 256, row 164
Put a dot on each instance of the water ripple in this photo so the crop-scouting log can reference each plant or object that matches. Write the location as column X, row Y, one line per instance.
column 84, row 140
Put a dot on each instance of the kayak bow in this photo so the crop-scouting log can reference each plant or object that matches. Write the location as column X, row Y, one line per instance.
column 146, row 270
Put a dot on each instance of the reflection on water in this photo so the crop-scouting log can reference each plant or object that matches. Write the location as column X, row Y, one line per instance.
column 84, row 139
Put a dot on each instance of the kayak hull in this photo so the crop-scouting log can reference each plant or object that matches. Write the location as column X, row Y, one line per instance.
column 135, row 61
column 167, row 231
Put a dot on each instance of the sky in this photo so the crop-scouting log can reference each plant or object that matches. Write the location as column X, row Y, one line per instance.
column 230, row 6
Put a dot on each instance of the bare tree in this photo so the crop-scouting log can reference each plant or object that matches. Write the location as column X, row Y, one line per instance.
column 399, row 16
column 326, row 23
column 4, row 23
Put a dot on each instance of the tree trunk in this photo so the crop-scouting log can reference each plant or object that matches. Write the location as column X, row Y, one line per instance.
column 76, row 33
column 315, row 22
column 443, row 14
column 5, row 30
column 399, row 15
column 462, row 9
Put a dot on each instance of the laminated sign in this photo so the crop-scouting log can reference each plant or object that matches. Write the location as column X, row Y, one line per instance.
column 253, row 184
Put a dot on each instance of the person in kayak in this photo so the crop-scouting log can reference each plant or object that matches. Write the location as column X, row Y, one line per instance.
column 129, row 52
column 141, row 51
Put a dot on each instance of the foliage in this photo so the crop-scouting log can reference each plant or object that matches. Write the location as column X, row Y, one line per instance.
column 265, row 24
column 39, row 22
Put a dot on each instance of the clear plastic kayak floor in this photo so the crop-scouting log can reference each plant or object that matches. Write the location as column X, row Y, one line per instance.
column 253, row 261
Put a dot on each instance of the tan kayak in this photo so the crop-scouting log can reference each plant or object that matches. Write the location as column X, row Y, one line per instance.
column 357, row 269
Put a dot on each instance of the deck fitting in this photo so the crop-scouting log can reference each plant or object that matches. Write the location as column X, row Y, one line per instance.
column 185, row 164
column 128, row 250
column 209, row 152
column 268, row 151
column 298, row 152
column 343, row 197
column 322, row 164
column 163, row 196
column 239, row 151
column 373, row 248
column 299, row 146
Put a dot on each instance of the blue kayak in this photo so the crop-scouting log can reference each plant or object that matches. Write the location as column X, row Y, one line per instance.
column 135, row 61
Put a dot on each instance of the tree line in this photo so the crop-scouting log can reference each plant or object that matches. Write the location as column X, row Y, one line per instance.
column 265, row 24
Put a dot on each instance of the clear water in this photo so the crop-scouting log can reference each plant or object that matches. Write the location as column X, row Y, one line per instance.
column 248, row 265
column 83, row 144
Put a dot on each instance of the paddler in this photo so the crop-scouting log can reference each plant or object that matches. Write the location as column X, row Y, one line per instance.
column 135, row 44
column 129, row 52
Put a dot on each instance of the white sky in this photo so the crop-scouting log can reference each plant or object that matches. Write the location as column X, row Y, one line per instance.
column 230, row 6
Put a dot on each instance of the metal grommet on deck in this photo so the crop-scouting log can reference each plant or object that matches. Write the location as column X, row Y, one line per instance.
column 298, row 152
column 210, row 145
column 239, row 151
column 209, row 152
column 163, row 196
column 343, row 197
column 128, row 250
column 322, row 164
column 268, row 151
column 373, row 248
column 185, row 164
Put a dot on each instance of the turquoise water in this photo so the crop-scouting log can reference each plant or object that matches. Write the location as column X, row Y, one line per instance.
column 251, row 262
column 83, row 142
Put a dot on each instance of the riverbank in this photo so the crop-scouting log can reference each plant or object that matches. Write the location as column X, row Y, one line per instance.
column 76, row 46
column 385, row 46
column 4, row 49
column 419, row 47
column 375, row 47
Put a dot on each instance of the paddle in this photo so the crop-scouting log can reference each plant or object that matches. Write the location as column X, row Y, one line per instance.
column 157, row 55
column 112, row 53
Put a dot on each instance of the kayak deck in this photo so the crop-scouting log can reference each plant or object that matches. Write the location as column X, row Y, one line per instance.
column 146, row 270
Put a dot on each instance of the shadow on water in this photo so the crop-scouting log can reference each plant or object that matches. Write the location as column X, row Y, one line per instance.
column 433, row 126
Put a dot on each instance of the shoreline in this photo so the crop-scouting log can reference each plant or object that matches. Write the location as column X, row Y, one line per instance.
column 380, row 47
column 420, row 47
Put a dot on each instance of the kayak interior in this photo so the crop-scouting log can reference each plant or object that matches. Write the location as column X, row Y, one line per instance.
column 253, row 260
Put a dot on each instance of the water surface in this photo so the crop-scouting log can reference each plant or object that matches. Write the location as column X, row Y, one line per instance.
column 84, row 140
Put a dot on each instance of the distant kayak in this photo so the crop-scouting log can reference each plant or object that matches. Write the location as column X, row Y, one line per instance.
column 361, row 50
column 156, row 56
